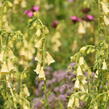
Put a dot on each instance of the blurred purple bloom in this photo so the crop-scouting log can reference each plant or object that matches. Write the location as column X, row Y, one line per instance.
column 59, row 75
column 69, row 91
column 47, row 73
column 35, row 8
column 93, row 74
column 37, row 103
column 62, row 89
column 37, row 92
column 51, row 98
column 56, row 90
column 55, row 24
column 70, row 75
column 26, row 11
column 72, row 64
column 82, row 104
column 41, row 84
column 62, row 97
column 75, row 19
column 50, row 82
column 49, row 69
column 86, row 73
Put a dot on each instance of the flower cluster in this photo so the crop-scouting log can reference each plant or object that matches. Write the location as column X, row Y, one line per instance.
column 87, row 17
column 30, row 12
column 59, row 88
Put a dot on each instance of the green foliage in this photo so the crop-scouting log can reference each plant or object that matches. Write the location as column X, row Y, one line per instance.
column 26, row 46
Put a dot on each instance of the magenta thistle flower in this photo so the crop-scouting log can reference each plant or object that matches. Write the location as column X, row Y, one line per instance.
column 35, row 8
column 75, row 19
column 88, row 18
column 29, row 13
column 55, row 24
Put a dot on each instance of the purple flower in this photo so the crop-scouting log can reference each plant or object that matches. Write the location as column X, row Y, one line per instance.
column 51, row 98
column 72, row 64
column 41, row 84
column 62, row 97
column 69, row 91
column 55, row 24
column 29, row 13
column 35, row 8
column 50, row 82
column 88, row 18
column 37, row 103
column 56, row 90
column 48, row 69
column 86, row 10
column 62, row 89
column 75, row 19
column 86, row 74
column 59, row 75
column 37, row 92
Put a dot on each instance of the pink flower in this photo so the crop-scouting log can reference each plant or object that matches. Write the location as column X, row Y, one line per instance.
column 75, row 19
column 35, row 8
column 88, row 18
column 29, row 13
